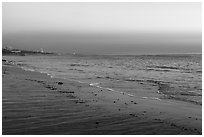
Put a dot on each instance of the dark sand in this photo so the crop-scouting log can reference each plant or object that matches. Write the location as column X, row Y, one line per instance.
column 33, row 104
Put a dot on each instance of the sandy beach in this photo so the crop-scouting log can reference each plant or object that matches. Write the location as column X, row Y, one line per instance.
column 35, row 104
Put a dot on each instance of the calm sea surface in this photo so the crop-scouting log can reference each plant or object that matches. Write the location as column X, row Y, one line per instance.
column 177, row 76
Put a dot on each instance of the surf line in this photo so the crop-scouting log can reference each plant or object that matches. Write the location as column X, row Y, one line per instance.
column 92, row 84
column 152, row 98
column 27, row 69
column 110, row 89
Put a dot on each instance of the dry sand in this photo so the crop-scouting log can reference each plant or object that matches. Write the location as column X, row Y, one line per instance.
column 33, row 103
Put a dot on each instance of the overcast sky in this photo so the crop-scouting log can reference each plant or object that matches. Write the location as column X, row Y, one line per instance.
column 104, row 28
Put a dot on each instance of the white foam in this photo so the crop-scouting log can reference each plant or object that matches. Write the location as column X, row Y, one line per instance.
column 27, row 69
column 110, row 89
column 152, row 98
column 94, row 84
column 99, row 87
column 156, row 98
column 130, row 95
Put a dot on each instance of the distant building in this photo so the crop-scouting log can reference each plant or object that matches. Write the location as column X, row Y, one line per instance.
column 42, row 51
column 16, row 51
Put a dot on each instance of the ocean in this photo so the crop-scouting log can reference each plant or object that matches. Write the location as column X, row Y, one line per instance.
column 177, row 77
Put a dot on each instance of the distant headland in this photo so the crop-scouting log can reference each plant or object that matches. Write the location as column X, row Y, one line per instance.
column 18, row 52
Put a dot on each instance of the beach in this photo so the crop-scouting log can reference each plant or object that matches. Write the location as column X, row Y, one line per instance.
column 33, row 103
column 102, row 68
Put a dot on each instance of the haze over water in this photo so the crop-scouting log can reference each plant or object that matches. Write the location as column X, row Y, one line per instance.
column 103, row 28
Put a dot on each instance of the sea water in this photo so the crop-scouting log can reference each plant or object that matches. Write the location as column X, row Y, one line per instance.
column 177, row 76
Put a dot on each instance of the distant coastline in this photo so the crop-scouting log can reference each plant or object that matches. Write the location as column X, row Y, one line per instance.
column 19, row 52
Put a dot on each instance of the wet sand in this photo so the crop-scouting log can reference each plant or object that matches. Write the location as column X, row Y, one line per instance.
column 35, row 104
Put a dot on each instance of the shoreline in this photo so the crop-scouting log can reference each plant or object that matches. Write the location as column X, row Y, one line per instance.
column 92, row 110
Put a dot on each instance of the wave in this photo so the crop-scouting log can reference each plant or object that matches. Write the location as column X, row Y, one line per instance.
column 94, row 84
column 110, row 89
column 152, row 98
column 169, row 91
column 28, row 69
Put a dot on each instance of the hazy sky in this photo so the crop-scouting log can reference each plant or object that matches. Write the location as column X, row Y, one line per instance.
column 104, row 28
